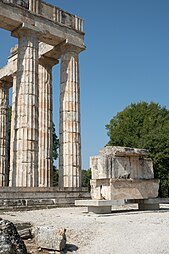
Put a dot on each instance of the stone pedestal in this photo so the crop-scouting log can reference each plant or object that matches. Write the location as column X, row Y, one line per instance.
column 45, row 122
column 99, row 206
column 26, row 113
column 70, row 141
column 3, row 134
column 149, row 204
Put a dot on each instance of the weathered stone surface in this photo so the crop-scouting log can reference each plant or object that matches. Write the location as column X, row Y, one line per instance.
column 70, row 140
column 31, row 149
column 24, row 172
column 49, row 26
column 45, row 123
column 10, row 241
column 25, row 233
column 123, row 163
column 123, row 173
column 3, row 134
column 117, row 189
column 50, row 238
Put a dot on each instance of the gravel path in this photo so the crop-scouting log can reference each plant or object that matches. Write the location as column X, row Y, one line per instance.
column 121, row 232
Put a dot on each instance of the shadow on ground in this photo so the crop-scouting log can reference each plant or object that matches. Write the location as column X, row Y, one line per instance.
column 69, row 248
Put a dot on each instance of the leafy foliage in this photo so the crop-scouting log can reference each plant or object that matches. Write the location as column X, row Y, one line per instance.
column 145, row 125
column 55, row 156
column 86, row 176
column 55, row 143
column 55, row 176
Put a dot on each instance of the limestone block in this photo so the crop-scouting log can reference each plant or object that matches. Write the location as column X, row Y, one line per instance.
column 50, row 238
column 114, row 189
column 100, row 189
column 122, row 163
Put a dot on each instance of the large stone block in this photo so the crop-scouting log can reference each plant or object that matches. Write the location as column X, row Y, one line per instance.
column 50, row 238
column 116, row 189
column 122, row 163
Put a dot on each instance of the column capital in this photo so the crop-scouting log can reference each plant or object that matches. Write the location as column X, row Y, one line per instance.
column 44, row 60
column 66, row 47
column 5, row 84
column 24, row 28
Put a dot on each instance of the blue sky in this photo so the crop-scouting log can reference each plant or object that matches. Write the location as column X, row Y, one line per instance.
column 127, row 60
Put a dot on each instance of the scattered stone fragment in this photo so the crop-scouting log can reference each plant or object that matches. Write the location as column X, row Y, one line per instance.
column 10, row 240
column 50, row 238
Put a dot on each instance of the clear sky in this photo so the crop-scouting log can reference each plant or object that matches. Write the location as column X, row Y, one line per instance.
column 127, row 60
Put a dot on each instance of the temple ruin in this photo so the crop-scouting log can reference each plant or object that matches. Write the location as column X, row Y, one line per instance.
column 46, row 36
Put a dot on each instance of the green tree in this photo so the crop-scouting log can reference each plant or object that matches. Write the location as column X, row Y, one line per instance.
column 145, row 125
column 55, row 176
column 55, row 143
column 86, row 176
column 55, row 156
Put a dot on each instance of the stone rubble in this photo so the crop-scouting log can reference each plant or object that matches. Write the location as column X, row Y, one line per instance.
column 10, row 240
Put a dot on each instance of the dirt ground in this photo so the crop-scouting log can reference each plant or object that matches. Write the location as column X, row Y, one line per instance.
column 124, row 231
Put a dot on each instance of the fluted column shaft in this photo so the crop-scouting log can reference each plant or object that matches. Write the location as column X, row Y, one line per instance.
column 3, row 134
column 26, row 113
column 70, row 141
column 12, row 171
column 45, row 123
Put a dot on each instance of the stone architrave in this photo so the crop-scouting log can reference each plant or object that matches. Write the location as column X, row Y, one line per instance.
column 26, row 113
column 3, row 133
column 70, row 140
column 45, row 122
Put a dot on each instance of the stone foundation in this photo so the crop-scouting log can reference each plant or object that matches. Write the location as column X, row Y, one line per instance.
column 35, row 198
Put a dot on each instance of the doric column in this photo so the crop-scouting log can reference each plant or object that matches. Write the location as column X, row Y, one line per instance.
column 12, row 171
column 45, row 171
column 26, row 111
column 34, row 5
column 3, row 134
column 70, row 141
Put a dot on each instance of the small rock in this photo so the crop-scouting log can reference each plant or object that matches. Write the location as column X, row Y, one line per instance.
column 50, row 238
